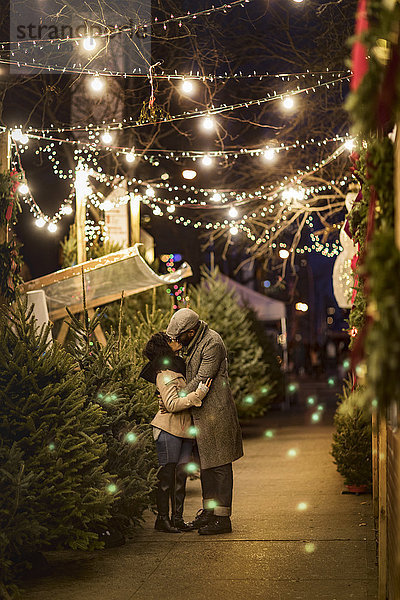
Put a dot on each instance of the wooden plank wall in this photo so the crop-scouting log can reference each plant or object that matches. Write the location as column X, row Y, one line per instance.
column 393, row 514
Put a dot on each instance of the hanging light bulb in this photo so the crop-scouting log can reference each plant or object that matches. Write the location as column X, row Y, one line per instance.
column 233, row 212
column 106, row 137
column 24, row 139
column 67, row 209
column 298, row 1
column 216, row 197
column 288, row 103
column 130, row 157
column 206, row 161
column 23, row 189
column 349, row 144
column 171, row 208
column 150, row 192
column 89, row 44
column 234, row 230
column 40, row 222
column 107, row 205
column 269, row 154
column 283, row 253
column 187, row 86
column 16, row 135
column 189, row 174
column 52, row 227
column 97, row 83
column 208, row 123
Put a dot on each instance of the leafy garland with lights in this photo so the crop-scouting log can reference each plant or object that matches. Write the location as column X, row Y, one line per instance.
column 374, row 105
column 10, row 260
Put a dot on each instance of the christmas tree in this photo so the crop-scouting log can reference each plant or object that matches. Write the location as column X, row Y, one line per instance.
column 49, row 429
column 111, row 379
column 352, row 440
column 19, row 527
column 249, row 375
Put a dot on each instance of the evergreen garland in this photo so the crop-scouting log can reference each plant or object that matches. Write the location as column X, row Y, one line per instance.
column 9, row 203
column 10, row 269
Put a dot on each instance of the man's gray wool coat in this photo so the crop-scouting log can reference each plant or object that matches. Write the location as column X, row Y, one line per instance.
column 218, row 436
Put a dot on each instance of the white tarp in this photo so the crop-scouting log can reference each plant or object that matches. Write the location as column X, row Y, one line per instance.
column 266, row 309
column 105, row 279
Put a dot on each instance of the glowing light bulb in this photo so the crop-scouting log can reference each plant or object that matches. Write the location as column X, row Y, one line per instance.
column 130, row 157
column 233, row 212
column 16, row 135
column 349, row 144
column 23, row 189
column 301, row 306
column 187, row 86
column 40, row 222
column 298, row 1
column 150, row 192
column 292, row 452
column 189, row 174
column 107, row 205
column 283, row 253
column 234, row 230
column 208, row 123
column 89, row 44
column 171, row 208
column 269, row 154
column 164, row 176
column 302, row 506
column 216, row 197
column 97, row 83
column 288, row 103
column 52, row 227
column 24, row 139
column 106, row 137
column 206, row 161
column 67, row 209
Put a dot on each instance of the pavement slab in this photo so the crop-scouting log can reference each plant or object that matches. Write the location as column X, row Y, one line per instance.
column 295, row 535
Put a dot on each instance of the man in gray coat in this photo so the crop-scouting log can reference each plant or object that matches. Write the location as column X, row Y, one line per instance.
column 218, row 435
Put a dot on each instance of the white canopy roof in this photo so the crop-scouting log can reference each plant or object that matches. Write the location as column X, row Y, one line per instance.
column 105, row 279
column 266, row 309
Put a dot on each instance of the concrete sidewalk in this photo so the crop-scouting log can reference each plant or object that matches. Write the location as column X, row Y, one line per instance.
column 295, row 537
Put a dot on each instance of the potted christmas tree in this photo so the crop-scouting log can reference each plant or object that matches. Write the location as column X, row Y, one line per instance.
column 352, row 440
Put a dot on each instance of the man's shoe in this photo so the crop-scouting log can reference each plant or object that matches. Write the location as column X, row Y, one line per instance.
column 217, row 525
column 164, row 524
column 201, row 519
column 180, row 524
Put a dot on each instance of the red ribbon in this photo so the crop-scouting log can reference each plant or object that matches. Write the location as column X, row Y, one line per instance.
column 359, row 59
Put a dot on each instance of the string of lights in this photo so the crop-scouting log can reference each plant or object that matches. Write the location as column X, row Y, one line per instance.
column 131, row 29
column 208, row 123
column 81, row 69
column 292, row 197
column 206, row 158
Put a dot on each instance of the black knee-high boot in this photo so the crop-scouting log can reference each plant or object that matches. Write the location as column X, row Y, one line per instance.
column 180, row 492
column 165, row 489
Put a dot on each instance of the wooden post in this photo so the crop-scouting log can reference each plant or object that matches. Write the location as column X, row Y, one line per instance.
column 375, row 472
column 382, row 519
column 134, row 205
column 5, row 149
column 81, row 191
